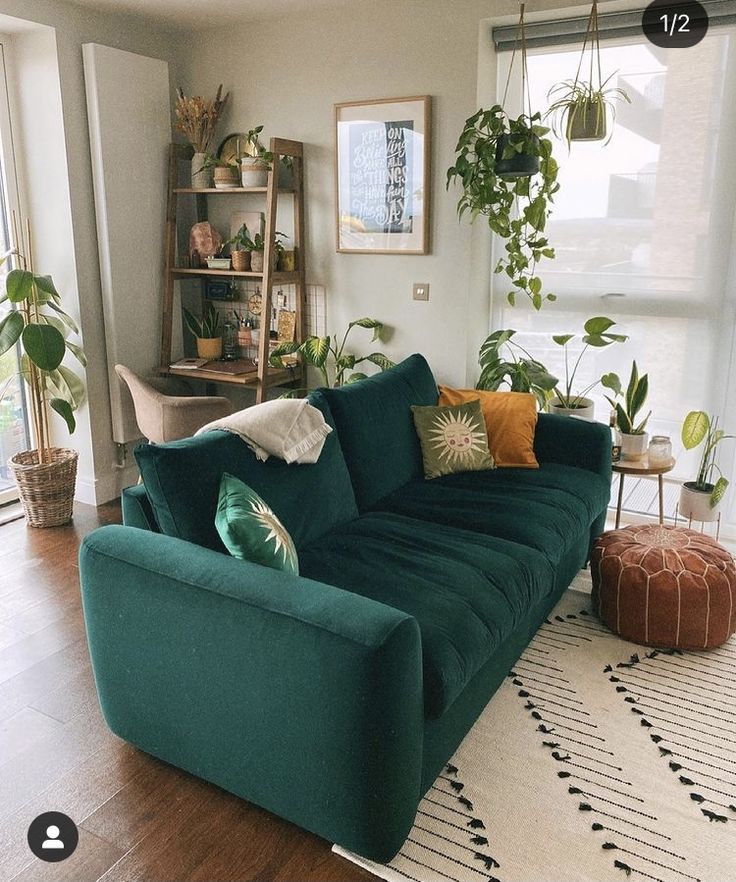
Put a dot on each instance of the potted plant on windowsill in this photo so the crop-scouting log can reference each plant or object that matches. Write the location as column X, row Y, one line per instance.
column 506, row 363
column 207, row 332
column 567, row 402
column 700, row 499
column 45, row 475
column 634, row 438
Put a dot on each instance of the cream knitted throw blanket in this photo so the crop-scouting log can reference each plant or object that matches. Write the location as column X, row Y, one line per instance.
column 289, row 428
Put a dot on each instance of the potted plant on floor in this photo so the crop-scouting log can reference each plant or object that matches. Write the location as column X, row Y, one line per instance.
column 566, row 401
column 634, row 438
column 254, row 169
column 196, row 119
column 581, row 108
column 505, row 363
column 507, row 173
column 700, row 499
column 207, row 332
column 45, row 475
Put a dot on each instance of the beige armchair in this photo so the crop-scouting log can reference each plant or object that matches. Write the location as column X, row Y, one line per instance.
column 169, row 417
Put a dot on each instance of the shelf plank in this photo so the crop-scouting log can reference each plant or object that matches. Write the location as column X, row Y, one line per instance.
column 276, row 376
column 241, row 190
column 282, row 278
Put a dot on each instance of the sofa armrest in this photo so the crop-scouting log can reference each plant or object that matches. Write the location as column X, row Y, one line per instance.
column 137, row 509
column 574, row 442
column 295, row 695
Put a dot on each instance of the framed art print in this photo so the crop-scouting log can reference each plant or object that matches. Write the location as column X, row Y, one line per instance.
column 382, row 179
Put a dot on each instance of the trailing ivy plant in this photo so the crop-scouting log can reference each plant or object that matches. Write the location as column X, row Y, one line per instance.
column 517, row 208
column 329, row 357
column 504, row 362
column 40, row 327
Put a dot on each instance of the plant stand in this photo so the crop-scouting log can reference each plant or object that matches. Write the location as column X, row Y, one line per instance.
column 716, row 521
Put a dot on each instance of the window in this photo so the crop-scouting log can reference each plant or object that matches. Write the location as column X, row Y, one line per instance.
column 643, row 229
column 14, row 435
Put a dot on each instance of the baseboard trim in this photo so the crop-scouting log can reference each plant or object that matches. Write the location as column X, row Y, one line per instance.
column 97, row 491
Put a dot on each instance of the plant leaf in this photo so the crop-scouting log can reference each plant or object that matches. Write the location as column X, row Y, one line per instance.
column 11, row 327
column 562, row 339
column 719, row 491
column 46, row 284
column 383, row 361
column 369, row 323
column 695, row 428
column 67, row 319
column 355, row 377
column 598, row 325
column 19, row 285
column 64, row 410
column 44, row 345
column 316, row 350
column 77, row 352
column 612, row 381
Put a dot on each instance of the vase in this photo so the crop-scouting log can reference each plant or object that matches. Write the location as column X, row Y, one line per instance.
column 634, row 447
column 695, row 504
column 201, row 176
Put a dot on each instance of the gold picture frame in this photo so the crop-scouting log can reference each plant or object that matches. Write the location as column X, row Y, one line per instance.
column 382, row 176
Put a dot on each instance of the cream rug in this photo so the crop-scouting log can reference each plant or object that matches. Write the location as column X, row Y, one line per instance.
column 596, row 760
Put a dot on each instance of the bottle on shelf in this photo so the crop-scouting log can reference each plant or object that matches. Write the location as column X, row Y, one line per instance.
column 615, row 438
column 230, row 337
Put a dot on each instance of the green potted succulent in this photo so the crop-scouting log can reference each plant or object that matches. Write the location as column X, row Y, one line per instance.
column 634, row 438
column 701, row 498
column 504, row 362
column 254, row 168
column 207, row 332
column 507, row 173
column 46, row 475
column 597, row 335
column 328, row 356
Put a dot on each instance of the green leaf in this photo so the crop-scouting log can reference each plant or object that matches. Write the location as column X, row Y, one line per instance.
column 19, row 285
column 719, row 491
column 75, row 385
column 378, row 358
column 316, row 350
column 562, row 339
column 77, row 352
column 44, row 345
column 613, row 382
column 598, row 325
column 622, row 420
column 356, row 377
column 64, row 410
column 67, row 319
column 695, row 428
column 11, row 327
column 369, row 323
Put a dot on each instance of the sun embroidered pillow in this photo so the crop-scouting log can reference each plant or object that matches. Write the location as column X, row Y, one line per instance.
column 453, row 439
column 250, row 530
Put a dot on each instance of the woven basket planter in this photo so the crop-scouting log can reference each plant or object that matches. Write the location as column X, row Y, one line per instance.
column 46, row 490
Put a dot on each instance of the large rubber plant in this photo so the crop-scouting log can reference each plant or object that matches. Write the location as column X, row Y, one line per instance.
column 508, row 174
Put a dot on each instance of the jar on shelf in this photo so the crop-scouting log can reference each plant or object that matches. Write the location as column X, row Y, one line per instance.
column 660, row 450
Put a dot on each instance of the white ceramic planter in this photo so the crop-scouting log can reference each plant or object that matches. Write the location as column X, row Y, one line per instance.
column 584, row 412
column 695, row 504
column 634, row 447
column 253, row 171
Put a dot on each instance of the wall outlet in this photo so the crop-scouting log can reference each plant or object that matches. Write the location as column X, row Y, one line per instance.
column 421, row 291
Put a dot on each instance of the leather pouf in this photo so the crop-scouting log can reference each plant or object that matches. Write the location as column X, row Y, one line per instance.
column 664, row 586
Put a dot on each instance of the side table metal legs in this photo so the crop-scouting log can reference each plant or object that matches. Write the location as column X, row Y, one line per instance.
column 660, row 489
column 660, row 483
column 620, row 499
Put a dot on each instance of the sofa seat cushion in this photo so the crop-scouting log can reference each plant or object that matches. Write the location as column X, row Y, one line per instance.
column 182, row 479
column 467, row 591
column 546, row 509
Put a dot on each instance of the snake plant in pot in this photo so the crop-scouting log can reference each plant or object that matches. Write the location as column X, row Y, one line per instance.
column 36, row 323
column 634, row 438
column 207, row 332
column 700, row 499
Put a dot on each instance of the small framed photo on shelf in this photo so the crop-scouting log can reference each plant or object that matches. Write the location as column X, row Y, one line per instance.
column 382, row 176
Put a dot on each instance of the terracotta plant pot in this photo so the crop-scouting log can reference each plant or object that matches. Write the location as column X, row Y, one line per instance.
column 585, row 411
column 253, row 171
column 227, row 178
column 209, row 347
column 241, row 261
column 695, row 504
column 634, row 447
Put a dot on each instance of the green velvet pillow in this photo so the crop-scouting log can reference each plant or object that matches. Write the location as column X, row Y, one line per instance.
column 250, row 530
column 453, row 439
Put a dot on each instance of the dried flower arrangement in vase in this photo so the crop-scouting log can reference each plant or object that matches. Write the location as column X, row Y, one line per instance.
column 196, row 119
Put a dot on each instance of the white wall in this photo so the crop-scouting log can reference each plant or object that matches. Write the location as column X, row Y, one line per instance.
column 287, row 73
column 54, row 158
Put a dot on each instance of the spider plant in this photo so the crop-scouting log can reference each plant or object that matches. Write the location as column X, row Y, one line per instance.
column 580, row 110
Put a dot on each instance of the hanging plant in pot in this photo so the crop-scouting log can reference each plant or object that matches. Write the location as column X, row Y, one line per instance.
column 566, row 401
column 507, row 173
column 45, row 475
column 701, row 498
column 581, row 107
column 634, row 440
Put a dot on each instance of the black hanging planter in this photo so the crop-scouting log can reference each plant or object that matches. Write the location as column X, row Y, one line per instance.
column 520, row 165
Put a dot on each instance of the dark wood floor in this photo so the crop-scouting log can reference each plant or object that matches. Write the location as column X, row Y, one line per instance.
column 139, row 819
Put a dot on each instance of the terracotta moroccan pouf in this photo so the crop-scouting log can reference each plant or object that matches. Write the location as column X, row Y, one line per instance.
column 664, row 586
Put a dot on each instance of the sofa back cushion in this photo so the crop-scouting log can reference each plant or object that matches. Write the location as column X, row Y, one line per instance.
column 376, row 428
column 182, row 479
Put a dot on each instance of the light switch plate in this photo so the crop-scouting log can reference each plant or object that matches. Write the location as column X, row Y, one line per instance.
column 421, row 291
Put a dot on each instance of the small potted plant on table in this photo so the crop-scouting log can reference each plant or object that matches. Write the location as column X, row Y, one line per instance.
column 207, row 332
column 701, row 498
column 634, row 439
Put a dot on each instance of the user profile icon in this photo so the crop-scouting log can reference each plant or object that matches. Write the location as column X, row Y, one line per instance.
column 53, row 836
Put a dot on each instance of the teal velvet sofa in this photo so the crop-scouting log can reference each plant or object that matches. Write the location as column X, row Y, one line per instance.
column 334, row 698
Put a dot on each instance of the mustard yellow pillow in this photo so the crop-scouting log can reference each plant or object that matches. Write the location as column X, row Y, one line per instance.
column 511, row 419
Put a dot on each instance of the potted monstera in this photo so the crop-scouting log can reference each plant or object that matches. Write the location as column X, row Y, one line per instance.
column 700, row 499
column 45, row 475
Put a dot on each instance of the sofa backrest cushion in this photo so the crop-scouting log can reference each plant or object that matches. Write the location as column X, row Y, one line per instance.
column 182, row 479
column 376, row 428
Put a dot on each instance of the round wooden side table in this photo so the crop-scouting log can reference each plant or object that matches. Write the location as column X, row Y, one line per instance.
column 641, row 468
